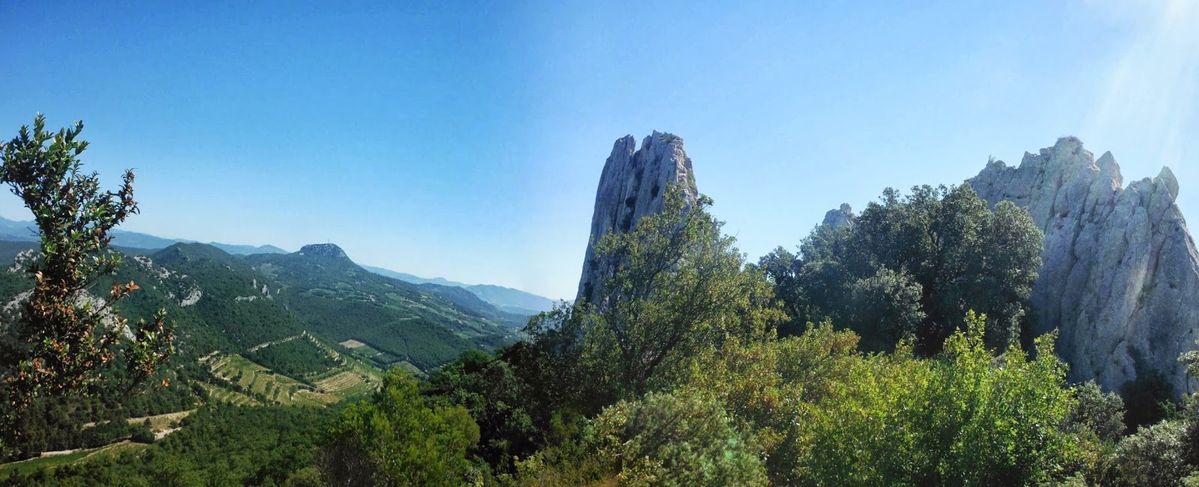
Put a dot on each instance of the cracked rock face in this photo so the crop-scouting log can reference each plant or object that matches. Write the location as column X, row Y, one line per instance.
column 632, row 185
column 840, row 217
column 1121, row 273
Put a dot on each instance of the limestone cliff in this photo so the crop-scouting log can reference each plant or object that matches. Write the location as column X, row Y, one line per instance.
column 1121, row 273
column 840, row 217
column 632, row 185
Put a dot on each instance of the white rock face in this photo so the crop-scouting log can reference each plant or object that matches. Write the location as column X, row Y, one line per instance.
column 1121, row 273
column 840, row 217
column 633, row 185
column 193, row 296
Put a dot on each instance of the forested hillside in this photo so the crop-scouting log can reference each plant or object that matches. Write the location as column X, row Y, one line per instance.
column 893, row 348
column 255, row 332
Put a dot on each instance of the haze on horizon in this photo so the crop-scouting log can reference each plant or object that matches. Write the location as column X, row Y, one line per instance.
column 466, row 141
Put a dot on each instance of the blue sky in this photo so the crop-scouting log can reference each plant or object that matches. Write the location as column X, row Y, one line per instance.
column 465, row 140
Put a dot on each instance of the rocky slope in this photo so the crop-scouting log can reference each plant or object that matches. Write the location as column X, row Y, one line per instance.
column 1121, row 272
column 631, row 186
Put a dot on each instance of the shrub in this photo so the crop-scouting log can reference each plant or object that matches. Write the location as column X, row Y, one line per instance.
column 142, row 433
column 1153, row 455
column 675, row 439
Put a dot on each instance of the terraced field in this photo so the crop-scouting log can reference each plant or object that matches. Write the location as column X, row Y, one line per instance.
column 355, row 380
column 227, row 396
column 261, row 382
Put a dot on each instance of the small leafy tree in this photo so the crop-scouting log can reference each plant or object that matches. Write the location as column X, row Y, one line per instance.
column 496, row 398
column 1154, row 455
column 772, row 388
column 681, row 285
column 675, row 439
column 1097, row 412
column 996, row 421
column 398, row 438
column 65, row 335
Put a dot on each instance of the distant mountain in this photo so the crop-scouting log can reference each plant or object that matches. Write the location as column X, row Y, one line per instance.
column 511, row 300
column 229, row 303
column 406, row 277
column 15, row 231
column 507, row 299
column 514, row 304
column 25, row 231
column 396, row 320
column 468, row 300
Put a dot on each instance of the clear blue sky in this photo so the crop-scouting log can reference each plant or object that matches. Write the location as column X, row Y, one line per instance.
column 466, row 140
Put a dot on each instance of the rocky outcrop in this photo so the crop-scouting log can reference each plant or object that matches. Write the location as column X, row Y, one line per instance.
column 1121, row 273
column 632, row 185
column 323, row 250
column 840, row 217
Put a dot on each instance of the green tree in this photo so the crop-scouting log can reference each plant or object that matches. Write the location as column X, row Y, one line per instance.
column 966, row 418
column 397, row 438
column 1096, row 423
column 680, row 286
column 996, row 421
column 773, row 387
column 65, row 335
column 1154, row 455
column 496, row 398
column 1100, row 413
column 885, row 308
column 675, row 439
column 822, row 413
column 945, row 243
column 679, row 438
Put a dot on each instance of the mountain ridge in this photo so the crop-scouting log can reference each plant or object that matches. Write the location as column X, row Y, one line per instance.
column 510, row 300
column 25, row 231
column 506, row 298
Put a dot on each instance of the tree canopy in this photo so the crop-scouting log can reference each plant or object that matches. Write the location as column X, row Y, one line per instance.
column 912, row 266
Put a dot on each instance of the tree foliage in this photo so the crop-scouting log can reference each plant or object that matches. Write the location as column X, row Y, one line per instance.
column 670, row 439
column 824, row 414
column 912, row 266
column 1154, row 455
column 498, row 401
column 681, row 286
column 65, row 335
column 1098, row 412
column 397, row 438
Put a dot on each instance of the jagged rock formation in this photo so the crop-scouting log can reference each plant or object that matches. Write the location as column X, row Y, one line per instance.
column 1121, row 273
column 632, row 185
column 324, row 250
column 840, row 217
